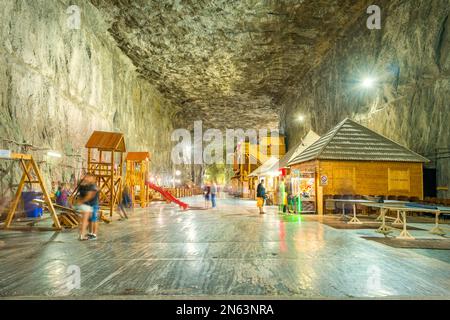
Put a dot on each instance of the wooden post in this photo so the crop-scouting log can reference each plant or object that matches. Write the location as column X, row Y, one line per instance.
column 120, row 177
column 319, row 192
column 46, row 195
column 16, row 200
column 89, row 160
column 111, row 204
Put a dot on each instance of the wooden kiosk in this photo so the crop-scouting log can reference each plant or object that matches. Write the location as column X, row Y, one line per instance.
column 32, row 175
column 105, row 161
column 138, row 168
column 352, row 160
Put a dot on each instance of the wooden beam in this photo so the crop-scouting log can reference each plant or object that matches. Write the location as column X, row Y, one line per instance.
column 46, row 196
column 16, row 199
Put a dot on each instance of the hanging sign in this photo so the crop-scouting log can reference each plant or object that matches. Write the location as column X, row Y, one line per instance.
column 5, row 154
column 323, row 180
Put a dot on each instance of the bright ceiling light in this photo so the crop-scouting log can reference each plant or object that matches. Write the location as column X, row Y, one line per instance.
column 301, row 118
column 177, row 173
column 368, row 82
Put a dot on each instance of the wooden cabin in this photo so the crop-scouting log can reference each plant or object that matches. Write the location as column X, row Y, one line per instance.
column 137, row 171
column 105, row 161
column 353, row 160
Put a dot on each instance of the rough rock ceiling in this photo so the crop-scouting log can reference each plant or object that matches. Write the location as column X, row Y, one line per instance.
column 227, row 62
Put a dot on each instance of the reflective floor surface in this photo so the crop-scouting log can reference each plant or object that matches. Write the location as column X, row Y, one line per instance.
column 231, row 251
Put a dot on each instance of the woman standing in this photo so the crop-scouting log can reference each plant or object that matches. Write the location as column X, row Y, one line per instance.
column 84, row 204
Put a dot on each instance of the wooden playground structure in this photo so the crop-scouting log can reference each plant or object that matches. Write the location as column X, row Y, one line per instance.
column 105, row 162
column 137, row 171
column 30, row 175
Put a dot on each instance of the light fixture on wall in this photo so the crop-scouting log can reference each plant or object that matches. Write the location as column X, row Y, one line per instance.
column 300, row 118
column 54, row 154
column 178, row 172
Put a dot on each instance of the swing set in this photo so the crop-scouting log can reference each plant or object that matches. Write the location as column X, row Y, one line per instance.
column 30, row 175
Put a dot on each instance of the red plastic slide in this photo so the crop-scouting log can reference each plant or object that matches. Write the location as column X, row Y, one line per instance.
column 167, row 195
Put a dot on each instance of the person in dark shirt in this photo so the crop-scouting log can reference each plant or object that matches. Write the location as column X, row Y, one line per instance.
column 260, row 196
column 86, row 200
column 207, row 193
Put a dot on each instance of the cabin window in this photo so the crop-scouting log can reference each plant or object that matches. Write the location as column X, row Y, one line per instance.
column 399, row 180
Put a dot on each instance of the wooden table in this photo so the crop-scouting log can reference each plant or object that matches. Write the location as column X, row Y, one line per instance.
column 403, row 210
column 354, row 202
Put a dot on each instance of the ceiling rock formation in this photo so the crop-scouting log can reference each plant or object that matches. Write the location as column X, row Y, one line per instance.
column 227, row 62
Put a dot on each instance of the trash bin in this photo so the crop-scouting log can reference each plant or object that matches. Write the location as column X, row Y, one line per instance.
column 32, row 210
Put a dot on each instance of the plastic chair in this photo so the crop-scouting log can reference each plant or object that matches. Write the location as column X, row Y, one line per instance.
column 338, row 205
column 329, row 206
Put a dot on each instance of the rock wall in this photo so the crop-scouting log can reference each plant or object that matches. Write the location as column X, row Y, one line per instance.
column 410, row 58
column 58, row 84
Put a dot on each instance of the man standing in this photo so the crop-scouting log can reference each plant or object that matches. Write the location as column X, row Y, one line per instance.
column 213, row 194
column 260, row 196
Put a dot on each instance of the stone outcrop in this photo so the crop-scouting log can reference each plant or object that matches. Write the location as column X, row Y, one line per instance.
column 59, row 84
column 409, row 57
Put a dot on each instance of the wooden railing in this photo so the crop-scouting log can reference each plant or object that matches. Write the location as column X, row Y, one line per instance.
column 181, row 192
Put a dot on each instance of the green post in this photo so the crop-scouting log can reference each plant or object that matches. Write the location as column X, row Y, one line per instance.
column 281, row 194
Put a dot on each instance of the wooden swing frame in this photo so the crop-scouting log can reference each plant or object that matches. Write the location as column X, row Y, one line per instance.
column 29, row 166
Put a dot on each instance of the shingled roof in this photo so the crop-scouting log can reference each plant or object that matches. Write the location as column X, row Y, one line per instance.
column 304, row 143
column 352, row 141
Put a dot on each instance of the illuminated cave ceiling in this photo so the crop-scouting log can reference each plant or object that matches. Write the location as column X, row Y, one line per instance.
column 227, row 62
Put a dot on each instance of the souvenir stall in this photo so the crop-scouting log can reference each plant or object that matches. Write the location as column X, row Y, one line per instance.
column 303, row 188
column 352, row 161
